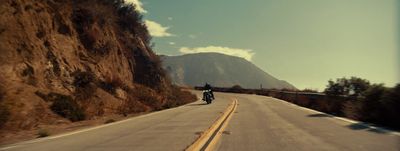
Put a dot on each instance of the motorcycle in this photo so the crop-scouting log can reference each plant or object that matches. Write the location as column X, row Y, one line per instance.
column 207, row 96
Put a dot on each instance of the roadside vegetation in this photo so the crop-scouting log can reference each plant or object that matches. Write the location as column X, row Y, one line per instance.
column 109, row 121
column 367, row 102
column 354, row 98
column 178, row 97
column 4, row 111
column 64, row 105
column 42, row 133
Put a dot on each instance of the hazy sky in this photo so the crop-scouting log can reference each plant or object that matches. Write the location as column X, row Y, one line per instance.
column 305, row 42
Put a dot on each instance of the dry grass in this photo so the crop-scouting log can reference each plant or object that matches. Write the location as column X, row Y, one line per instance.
column 179, row 97
column 148, row 97
column 144, row 99
column 132, row 105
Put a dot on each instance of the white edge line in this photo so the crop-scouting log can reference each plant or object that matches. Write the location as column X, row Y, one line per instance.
column 343, row 119
column 90, row 129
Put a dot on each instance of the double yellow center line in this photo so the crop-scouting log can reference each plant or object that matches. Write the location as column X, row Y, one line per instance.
column 208, row 140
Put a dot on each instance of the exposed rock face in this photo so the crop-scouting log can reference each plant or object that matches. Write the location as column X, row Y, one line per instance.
column 96, row 51
column 219, row 70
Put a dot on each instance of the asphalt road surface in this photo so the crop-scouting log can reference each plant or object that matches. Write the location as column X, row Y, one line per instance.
column 258, row 123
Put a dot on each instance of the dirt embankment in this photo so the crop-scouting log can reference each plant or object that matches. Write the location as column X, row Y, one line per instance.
column 63, row 61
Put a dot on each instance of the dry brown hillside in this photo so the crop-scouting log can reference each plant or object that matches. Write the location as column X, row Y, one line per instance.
column 70, row 60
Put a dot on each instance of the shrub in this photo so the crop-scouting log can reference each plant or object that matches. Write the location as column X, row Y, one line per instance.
column 352, row 109
column 178, row 97
column 391, row 103
column 4, row 115
column 4, row 111
column 66, row 107
column 130, row 19
column 309, row 90
column 82, row 20
column 148, row 97
column 372, row 107
column 2, row 93
column 111, row 85
column 152, row 74
column 83, row 78
column 349, row 87
column 108, row 87
column 236, row 89
column 29, row 73
column 43, row 133
column 132, row 105
column 109, row 121
column 53, row 59
column 83, row 82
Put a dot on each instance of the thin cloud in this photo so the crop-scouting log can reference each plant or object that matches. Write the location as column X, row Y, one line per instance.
column 156, row 29
column 192, row 36
column 138, row 4
column 171, row 43
column 242, row 53
column 170, row 18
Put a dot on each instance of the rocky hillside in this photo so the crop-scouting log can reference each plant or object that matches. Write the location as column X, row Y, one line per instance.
column 64, row 61
column 219, row 70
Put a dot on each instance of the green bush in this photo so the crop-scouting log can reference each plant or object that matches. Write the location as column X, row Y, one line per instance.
column 66, row 107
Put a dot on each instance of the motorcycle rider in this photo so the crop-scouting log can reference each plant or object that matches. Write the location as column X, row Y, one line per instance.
column 209, row 88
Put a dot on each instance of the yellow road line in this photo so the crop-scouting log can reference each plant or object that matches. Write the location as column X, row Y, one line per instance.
column 212, row 145
column 206, row 141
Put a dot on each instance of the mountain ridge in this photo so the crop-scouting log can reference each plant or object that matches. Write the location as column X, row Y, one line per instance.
column 219, row 70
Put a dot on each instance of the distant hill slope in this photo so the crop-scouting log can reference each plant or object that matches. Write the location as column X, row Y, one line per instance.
column 218, row 70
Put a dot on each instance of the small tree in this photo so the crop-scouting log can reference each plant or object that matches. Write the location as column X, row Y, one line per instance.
column 357, row 86
column 336, row 88
column 349, row 87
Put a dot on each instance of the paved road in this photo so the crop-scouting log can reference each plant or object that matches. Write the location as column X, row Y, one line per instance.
column 259, row 123
column 264, row 123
